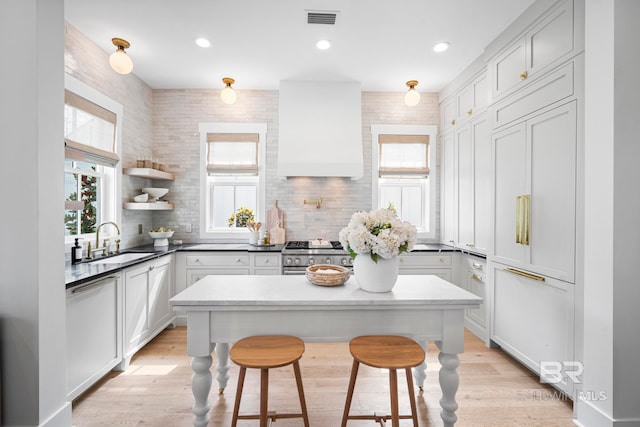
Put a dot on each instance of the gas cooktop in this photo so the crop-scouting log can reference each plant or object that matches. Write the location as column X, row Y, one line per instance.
column 304, row 244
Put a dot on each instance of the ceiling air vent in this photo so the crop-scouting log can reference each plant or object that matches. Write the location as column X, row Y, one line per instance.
column 317, row 17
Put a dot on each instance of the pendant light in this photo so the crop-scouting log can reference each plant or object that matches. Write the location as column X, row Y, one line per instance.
column 228, row 95
column 119, row 60
column 412, row 97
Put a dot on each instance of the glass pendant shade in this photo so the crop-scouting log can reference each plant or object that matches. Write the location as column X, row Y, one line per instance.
column 121, row 62
column 228, row 95
column 412, row 97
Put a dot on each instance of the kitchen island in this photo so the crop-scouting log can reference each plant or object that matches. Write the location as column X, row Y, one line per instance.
column 222, row 309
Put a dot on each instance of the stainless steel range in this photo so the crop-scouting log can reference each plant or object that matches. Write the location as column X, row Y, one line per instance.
column 297, row 255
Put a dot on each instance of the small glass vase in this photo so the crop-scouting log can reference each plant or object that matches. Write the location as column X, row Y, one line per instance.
column 375, row 277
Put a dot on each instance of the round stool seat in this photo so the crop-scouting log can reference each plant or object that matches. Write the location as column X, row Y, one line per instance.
column 387, row 351
column 267, row 351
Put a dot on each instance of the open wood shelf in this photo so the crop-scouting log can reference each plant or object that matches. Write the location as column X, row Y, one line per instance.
column 149, row 173
column 149, row 206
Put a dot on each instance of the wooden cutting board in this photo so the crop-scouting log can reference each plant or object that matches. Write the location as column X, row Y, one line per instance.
column 274, row 215
column 277, row 234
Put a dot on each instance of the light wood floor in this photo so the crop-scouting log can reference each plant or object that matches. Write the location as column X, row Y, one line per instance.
column 156, row 390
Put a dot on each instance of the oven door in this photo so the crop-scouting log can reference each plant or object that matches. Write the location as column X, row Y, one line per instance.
column 290, row 270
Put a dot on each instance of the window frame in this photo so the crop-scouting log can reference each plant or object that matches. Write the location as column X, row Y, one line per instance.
column 230, row 128
column 111, row 208
column 431, row 131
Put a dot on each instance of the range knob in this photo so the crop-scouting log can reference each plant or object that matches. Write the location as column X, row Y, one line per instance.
column 344, row 261
column 289, row 261
column 311, row 261
column 296, row 261
column 327, row 261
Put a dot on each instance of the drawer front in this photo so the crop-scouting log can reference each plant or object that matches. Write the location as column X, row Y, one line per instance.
column 271, row 260
column 477, row 266
column 222, row 260
column 416, row 260
column 546, row 91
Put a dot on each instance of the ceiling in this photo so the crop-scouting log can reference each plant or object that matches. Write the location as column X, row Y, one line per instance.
column 381, row 44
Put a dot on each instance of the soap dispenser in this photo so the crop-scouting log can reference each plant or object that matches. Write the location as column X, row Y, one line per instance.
column 76, row 253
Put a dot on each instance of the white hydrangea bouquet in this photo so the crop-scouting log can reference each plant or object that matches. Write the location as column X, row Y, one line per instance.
column 379, row 233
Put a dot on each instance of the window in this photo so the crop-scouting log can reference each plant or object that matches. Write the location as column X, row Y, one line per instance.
column 401, row 167
column 232, row 177
column 91, row 168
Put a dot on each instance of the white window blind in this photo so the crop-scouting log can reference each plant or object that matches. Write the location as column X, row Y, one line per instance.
column 89, row 131
column 232, row 153
column 403, row 155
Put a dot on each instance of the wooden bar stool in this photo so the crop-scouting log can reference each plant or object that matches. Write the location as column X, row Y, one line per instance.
column 265, row 352
column 388, row 352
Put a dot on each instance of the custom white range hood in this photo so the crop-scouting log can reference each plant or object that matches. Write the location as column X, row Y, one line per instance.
column 320, row 129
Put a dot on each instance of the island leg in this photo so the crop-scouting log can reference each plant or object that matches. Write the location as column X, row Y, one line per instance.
column 420, row 371
column 222, row 367
column 200, row 386
column 449, row 381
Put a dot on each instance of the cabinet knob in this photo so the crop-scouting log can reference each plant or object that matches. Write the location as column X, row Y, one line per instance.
column 523, row 75
column 441, row 259
column 470, row 111
column 453, row 122
column 238, row 260
column 266, row 261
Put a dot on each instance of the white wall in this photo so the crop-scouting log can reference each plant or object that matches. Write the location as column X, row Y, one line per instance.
column 32, row 296
column 612, row 229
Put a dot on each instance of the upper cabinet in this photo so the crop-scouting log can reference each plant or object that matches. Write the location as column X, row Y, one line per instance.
column 549, row 40
column 467, row 102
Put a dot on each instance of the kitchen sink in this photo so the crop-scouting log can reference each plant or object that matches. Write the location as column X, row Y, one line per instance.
column 122, row 258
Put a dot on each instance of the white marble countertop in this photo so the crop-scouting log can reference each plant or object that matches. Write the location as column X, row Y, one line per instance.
column 297, row 291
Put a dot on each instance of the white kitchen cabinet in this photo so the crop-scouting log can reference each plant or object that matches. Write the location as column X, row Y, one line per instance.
column 466, row 103
column 147, row 290
column 472, row 181
column 94, row 332
column 472, row 99
column 473, row 279
column 448, row 113
column 544, row 45
column 448, row 196
column 534, row 185
column 265, row 263
column 532, row 318
column 439, row 264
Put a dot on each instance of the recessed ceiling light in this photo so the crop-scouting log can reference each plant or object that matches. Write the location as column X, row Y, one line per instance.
column 202, row 42
column 323, row 44
column 441, row 47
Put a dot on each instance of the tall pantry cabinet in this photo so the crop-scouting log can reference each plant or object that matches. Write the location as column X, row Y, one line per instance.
column 535, row 72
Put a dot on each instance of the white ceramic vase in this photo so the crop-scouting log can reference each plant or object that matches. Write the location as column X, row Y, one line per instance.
column 375, row 277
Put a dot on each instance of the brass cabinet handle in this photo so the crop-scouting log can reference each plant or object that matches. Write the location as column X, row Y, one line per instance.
column 518, row 217
column 523, row 208
column 476, row 277
column 525, row 274
column 527, row 217
column 441, row 259
column 470, row 245
column 453, row 122
column 477, row 266
column 470, row 111
column 524, row 75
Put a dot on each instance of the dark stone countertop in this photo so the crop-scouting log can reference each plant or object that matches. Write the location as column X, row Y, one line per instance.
column 90, row 270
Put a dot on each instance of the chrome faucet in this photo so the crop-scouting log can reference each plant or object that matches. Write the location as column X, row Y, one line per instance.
column 104, row 248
